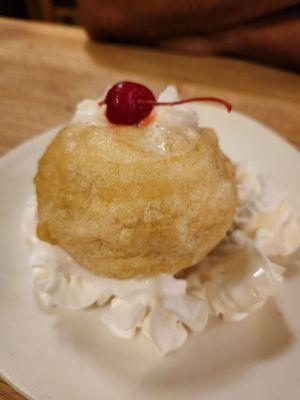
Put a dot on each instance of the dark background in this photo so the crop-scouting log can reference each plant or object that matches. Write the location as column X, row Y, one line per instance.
column 13, row 8
column 63, row 11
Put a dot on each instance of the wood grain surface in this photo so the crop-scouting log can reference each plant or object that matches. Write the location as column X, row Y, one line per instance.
column 46, row 69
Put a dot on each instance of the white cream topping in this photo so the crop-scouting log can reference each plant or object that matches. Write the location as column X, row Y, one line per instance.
column 232, row 281
column 235, row 280
column 274, row 229
column 89, row 112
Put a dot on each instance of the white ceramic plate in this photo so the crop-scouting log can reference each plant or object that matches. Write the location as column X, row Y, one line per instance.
column 70, row 355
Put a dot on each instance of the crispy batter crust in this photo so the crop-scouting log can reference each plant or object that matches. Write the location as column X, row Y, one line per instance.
column 123, row 212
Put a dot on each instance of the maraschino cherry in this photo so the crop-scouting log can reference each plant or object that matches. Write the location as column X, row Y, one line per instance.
column 128, row 103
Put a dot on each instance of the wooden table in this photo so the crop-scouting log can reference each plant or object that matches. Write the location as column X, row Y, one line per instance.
column 46, row 69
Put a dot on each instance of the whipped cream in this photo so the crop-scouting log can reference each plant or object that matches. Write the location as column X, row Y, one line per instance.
column 274, row 229
column 172, row 132
column 232, row 281
column 235, row 280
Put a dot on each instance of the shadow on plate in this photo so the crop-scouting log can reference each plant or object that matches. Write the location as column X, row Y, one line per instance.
column 223, row 353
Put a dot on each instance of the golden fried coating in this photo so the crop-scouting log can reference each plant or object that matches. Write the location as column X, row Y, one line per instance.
column 123, row 211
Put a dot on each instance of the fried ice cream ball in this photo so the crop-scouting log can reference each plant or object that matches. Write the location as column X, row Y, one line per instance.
column 124, row 211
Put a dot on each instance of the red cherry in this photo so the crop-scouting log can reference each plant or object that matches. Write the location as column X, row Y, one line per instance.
column 128, row 103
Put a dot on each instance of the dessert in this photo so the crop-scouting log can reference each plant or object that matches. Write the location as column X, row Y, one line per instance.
column 124, row 209
column 124, row 212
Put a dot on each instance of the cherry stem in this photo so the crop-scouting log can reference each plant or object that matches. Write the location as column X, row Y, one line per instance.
column 227, row 105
